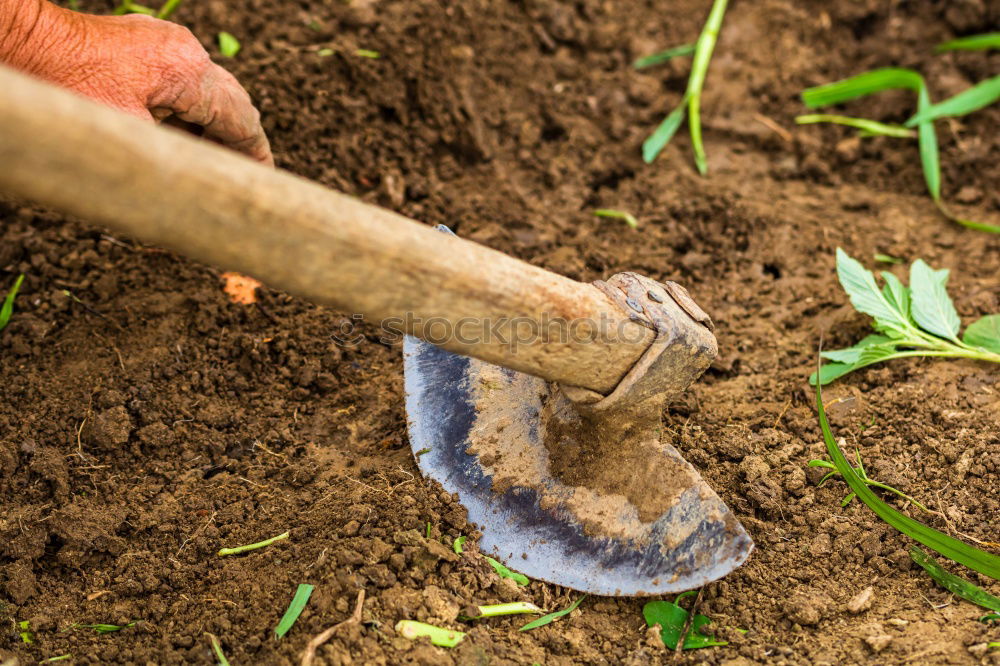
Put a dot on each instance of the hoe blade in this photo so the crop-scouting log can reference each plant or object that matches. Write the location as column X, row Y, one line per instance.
column 497, row 438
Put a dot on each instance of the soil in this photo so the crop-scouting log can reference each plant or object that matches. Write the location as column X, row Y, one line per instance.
column 147, row 421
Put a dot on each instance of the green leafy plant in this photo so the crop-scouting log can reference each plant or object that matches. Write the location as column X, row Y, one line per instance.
column 441, row 637
column 860, row 469
column 253, row 546
column 229, row 46
column 919, row 320
column 989, row 40
column 129, row 7
column 457, row 544
column 220, row 656
column 299, row 601
column 895, row 78
column 703, row 48
column 548, row 619
column 628, row 218
column 24, row 631
column 504, row 572
column 984, row 562
column 954, row 584
column 7, row 309
column 673, row 618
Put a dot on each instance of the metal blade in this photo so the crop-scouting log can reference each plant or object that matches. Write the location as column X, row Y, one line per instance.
column 547, row 529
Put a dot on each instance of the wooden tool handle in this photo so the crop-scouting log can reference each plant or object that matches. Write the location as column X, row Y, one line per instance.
column 213, row 205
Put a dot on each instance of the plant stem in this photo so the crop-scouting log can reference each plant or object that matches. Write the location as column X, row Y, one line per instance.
column 699, row 69
column 253, row 546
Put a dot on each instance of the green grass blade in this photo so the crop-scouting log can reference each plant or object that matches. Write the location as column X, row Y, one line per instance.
column 870, row 127
column 504, row 572
column 660, row 137
column 699, row 70
column 547, row 619
column 968, row 224
column 62, row 657
column 989, row 40
column 299, row 602
column 985, row 563
column 954, row 584
column 664, row 56
column 971, row 99
column 628, row 218
column 877, row 80
column 168, row 8
column 7, row 309
column 927, row 137
column 220, row 656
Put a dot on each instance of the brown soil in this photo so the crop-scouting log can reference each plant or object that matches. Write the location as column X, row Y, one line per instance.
column 145, row 428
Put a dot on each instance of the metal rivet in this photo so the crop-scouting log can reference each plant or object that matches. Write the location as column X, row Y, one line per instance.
column 653, row 296
column 632, row 304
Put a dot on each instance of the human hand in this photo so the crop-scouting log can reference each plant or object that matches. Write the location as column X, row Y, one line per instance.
column 147, row 67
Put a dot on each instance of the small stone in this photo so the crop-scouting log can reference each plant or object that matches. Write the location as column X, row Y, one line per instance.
column 969, row 195
column 862, row 601
column 804, row 609
column 110, row 428
column 878, row 642
column 897, row 622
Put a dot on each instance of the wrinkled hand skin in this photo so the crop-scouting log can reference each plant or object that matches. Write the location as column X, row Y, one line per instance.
column 149, row 68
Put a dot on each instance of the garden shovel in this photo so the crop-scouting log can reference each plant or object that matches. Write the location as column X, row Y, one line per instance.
column 536, row 398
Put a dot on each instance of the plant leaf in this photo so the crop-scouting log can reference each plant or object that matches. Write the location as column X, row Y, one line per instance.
column 672, row 619
column 664, row 56
column 7, row 309
column 927, row 138
column 985, row 333
column 896, row 293
column 662, row 135
column 867, row 127
column 989, row 40
column 546, row 619
column 299, row 601
column 954, row 584
column 504, row 572
column 831, row 371
column 867, row 83
column 853, row 354
column 866, row 297
column 971, row 99
column 229, row 46
column 932, row 308
column 978, row 560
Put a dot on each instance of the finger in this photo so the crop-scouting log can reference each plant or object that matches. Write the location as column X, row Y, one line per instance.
column 223, row 108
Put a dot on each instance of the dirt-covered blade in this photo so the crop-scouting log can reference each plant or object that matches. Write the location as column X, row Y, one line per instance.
column 498, row 439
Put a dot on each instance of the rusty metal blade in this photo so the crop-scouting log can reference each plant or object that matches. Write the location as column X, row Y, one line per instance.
column 532, row 520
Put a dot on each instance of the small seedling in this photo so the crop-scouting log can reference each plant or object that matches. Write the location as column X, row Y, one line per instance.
column 989, row 40
column 658, row 140
column 672, row 620
column 367, row 53
column 24, row 631
column 982, row 561
column 7, row 309
column 62, row 657
column 864, row 126
column 547, row 619
column 504, row 572
column 457, row 544
column 499, row 610
column 129, row 7
column 299, row 602
column 954, row 584
column 229, row 46
column 628, row 218
column 919, row 320
column 441, row 637
column 220, row 656
column 894, row 78
column 664, row 56
column 971, row 99
column 253, row 546
column 886, row 259
column 860, row 469
column 105, row 628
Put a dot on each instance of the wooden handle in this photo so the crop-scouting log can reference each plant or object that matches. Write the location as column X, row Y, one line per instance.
column 213, row 205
